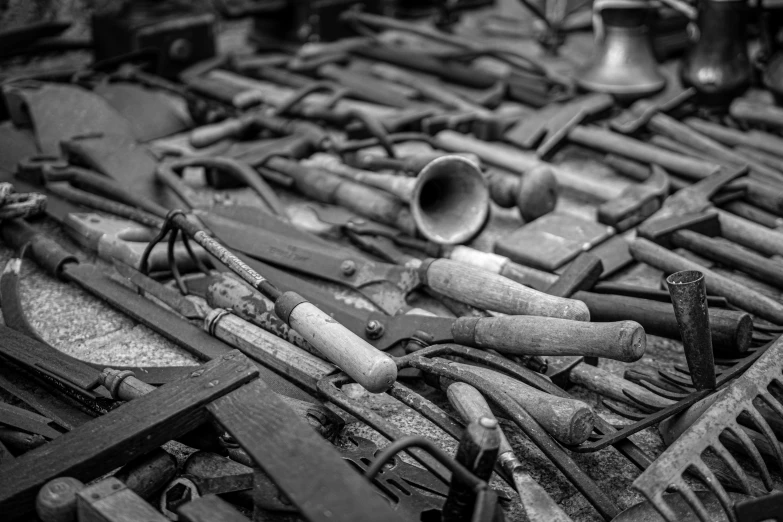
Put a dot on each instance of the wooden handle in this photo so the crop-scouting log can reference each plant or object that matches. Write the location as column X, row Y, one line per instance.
column 615, row 143
column 232, row 294
column 536, row 502
column 517, row 161
column 568, row 420
column 489, row 291
column 527, row 335
column 757, row 112
column 368, row 366
column 611, row 386
column 736, row 293
column 301, row 367
column 752, row 235
column 213, row 133
column 732, row 330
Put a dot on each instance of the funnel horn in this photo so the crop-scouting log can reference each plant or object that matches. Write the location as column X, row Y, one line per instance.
column 449, row 199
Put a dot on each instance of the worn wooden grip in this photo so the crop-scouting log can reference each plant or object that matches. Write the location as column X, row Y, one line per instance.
column 213, row 133
column 752, row 235
column 528, row 335
column 568, row 420
column 489, row 291
column 611, row 386
column 368, row 366
column 471, row 406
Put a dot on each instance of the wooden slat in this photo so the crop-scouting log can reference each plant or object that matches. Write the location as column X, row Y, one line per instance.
column 305, row 467
column 122, row 434
column 210, row 508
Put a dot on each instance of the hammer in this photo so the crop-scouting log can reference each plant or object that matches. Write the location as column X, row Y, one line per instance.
column 698, row 232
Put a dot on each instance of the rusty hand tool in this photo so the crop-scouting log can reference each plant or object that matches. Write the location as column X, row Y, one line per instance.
column 534, row 193
column 145, row 475
column 386, row 285
column 737, row 294
column 515, row 160
column 536, row 502
column 637, row 202
column 689, row 297
column 705, row 433
column 700, row 234
column 757, row 113
column 749, row 138
column 568, row 421
column 524, row 335
column 477, row 451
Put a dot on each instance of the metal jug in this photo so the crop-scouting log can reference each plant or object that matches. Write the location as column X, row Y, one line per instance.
column 624, row 65
column 718, row 65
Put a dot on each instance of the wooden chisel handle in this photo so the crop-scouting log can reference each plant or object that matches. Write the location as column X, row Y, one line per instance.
column 371, row 368
column 489, row 291
column 569, row 421
column 208, row 134
column 538, row 505
column 529, row 335
column 752, row 235
column 736, row 293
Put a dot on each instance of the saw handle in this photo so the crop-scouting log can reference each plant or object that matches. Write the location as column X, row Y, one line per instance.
column 488, row 291
column 528, row 335
column 368, row 366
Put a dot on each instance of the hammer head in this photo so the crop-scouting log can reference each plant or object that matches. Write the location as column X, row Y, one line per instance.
column 660, row 231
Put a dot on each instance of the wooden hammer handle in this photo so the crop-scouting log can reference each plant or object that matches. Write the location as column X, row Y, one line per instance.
column 569, row 421
column 489, row 291
column 528, row 335
column 209, row 134
column 736, row 293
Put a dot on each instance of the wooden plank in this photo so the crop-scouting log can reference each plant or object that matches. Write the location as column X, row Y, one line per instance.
column 24, row 420
column 210, row 508
column 306, row 468
column 112, row 501
column 114, row 439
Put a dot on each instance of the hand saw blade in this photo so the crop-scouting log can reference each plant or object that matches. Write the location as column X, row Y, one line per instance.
column 383, row 284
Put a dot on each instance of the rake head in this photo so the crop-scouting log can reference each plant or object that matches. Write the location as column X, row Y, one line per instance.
column 721, row 418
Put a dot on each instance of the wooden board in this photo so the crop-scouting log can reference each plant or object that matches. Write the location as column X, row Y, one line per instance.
column 306, row 468
column 122, row 434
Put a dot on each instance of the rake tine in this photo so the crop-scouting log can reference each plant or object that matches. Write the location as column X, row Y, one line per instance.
column 666, row 394
column 752, row 452
column 621, row 410
column 773, row 403
column 693, row 501
column 768, row 433
column 711, row 481
column 641, row 404
column 660, row 504
column 676, row 379
column 733, row 465
column 680, row 388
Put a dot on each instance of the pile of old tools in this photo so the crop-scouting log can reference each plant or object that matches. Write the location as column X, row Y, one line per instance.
column 227, row 200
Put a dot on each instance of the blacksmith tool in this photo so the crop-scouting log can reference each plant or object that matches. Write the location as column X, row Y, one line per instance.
column 700, row 233
column 752, row 138
column 525, row 335
column 387, row 285
column 705, row 433
column 689, row 297
column 536, row 502
column 209, row 507
column 737, row 294
column 145, row 476
column 477, row 451
column 757, row 113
